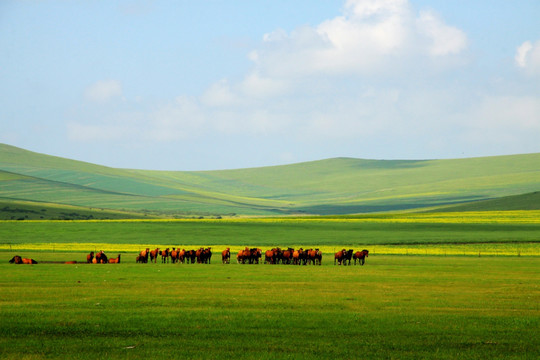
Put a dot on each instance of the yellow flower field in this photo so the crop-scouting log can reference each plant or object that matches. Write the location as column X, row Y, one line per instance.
column 480, row 249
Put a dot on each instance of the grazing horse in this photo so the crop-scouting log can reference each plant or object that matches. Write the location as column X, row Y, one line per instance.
column 226, row 256
column 90, row 257
column 360, row 256
column 165, row 255
column 16, row 259
column 115, row 261
column 153, row 255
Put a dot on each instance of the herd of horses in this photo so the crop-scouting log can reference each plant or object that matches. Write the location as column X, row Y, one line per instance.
column 247, row 256
column 101, row 258
column 251, row 256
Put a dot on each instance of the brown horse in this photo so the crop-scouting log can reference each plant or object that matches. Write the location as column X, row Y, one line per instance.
column 174, row 255
column 286, row 256
column 296, row 257
column 339, row 256
column 90, row 257
column 115, row 261
column 143, row 256
column 181, row 255
column 226, row 256
column 269, row 256
column 165, row 255
column 29, row 261
column 314, row 256
column 360, row 256
column 153, row 255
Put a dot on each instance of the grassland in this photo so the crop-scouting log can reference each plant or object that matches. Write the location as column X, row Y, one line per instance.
column 393, row 307
column 443, row 301
column 332, row 186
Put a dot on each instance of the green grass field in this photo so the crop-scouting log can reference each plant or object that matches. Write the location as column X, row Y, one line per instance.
column 393, row 307
column 456, row 304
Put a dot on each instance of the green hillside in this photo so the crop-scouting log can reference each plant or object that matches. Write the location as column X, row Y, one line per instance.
column 529, row 201
column 332, row 186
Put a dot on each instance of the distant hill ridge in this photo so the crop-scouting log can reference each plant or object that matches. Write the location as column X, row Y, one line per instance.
column 330, row 186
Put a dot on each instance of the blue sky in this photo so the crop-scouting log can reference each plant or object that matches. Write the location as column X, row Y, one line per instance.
column 196, row 85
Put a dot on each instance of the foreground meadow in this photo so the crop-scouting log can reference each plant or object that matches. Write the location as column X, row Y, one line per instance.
column 470, row 291
column 393, row 307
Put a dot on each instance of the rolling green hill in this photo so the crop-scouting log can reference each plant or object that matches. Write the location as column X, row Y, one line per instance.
column 332, row 186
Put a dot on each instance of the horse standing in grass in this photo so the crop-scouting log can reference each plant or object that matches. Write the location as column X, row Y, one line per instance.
column 226, row 256
column 165, row 255
column 339, row 256
column 90, row 257
column 143, row 256
column 360, row 256
column 153, row 255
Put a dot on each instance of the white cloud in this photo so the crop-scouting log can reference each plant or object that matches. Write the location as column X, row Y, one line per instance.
column 371, row 35
column 103, row 91
column 444, row 39
column 528, row 57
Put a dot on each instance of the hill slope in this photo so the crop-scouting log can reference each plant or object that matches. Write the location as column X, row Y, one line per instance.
column 332, row 186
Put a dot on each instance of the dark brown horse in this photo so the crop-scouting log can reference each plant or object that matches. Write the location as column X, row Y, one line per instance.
column 360, row 256
column 16, row 260
column 90, row 257
column 286, row 256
